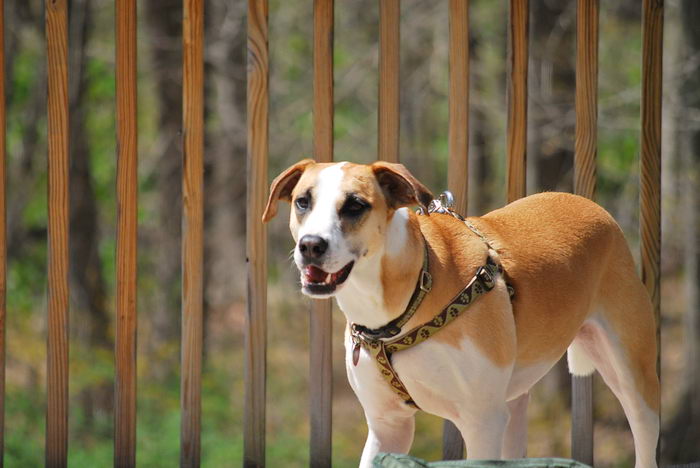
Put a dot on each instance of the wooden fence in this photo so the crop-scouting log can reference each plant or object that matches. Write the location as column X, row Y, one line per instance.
column 257, row 105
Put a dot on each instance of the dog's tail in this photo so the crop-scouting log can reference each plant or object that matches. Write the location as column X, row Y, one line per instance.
column 580, row 363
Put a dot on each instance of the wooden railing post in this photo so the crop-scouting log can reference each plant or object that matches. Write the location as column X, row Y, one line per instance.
column 321, row 365
column 193, row 231
column 256, row 237
column 58, row 162
column 650, row 164
column 389, row 90
column 518, row 26
column 127, row 192
column 458, row 131
column 584, row 185
column 458, row 146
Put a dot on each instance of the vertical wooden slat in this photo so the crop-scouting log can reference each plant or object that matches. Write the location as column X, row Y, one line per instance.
column 58, row 125
column 650, row 177
column 193, row 230
column 389, row 67
column 584, row 185
column 458, row 132
column 127, row 190
column 321, row 367
column 3, row 227
column 586, row 98
column 323, row 80
column 582, row 419
column 458, row 144
column 256, row 236
column 518, row 26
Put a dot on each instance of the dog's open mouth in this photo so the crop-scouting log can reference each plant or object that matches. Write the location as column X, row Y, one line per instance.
column 316, row 281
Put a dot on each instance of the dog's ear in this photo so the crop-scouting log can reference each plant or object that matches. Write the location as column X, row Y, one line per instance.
column 400, row 187
column 281, row 188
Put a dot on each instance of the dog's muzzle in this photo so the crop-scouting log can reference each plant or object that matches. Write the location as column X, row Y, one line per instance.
column 318, row 282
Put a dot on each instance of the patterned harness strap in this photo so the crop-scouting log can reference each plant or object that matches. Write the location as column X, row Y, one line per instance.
column 483, row 281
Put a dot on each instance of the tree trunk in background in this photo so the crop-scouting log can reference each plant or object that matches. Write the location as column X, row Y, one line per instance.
column 25, row 165
column 681, row 438
column 551, row 96
column 225, row 159
column 551, row 121
column 164, row 26
column 481, row 152
column 91, row 319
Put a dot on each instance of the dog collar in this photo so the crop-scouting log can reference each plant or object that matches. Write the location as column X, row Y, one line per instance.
column 393, row 328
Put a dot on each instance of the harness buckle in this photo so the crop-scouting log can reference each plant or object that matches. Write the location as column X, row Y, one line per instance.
column 485, row 277
column 426, row 281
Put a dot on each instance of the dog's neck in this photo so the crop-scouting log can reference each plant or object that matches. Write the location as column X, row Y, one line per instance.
column 380, row 286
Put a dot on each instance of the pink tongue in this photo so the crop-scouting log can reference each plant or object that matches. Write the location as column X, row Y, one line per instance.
column 315, row 274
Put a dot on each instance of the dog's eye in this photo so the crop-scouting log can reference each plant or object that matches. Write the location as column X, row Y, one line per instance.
column 354, row 207
column 302, row 203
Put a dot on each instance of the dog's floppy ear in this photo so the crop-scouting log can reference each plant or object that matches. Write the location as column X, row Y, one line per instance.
column 400, row 187
column 281, row 188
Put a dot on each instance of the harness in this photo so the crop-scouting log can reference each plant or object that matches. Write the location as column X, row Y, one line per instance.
column 382, row 343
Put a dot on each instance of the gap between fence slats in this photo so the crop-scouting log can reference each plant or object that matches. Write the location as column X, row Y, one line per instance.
column 256, row 236
column 58, row 124
column 518, row 26
column 389, row 67
column 584, row 185
column 127, row 192
column 320, row 366
column 3, row 227
column 458, row 131
column 650, row 164
column 193, row 231
column 458, row 147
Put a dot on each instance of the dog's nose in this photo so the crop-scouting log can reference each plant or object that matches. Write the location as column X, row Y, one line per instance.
column 312, row 247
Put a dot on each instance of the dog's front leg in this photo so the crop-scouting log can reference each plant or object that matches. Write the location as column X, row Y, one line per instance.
column 387, row 433
column 483, row 430
column 515, row 443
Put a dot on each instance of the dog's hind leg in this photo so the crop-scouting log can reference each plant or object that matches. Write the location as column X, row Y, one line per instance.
column 633, row 381
column 515, row 439
column 387, row 433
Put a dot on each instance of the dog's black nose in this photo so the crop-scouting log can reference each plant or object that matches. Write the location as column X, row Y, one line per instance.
column 312, row 247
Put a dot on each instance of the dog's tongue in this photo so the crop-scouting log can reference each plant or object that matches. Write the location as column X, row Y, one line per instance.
column 315, row 274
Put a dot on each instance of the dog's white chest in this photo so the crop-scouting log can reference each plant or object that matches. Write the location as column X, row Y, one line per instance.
column 437, row 376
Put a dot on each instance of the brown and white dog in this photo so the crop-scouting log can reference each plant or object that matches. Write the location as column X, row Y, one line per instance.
column 576, row 288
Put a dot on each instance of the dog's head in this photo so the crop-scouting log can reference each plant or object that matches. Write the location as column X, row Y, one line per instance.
column 339, row 215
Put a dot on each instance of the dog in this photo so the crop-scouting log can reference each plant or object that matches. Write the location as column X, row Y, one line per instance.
column 566, row 259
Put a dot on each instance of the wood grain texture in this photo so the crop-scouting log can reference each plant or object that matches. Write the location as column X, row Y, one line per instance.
column 458, row 131
column 127, row 206
column 650, row 164
column 650, row 182
column 586, row 98
column 518, row 27
column 321, row 367
column 323, row 80
column 584, row 185
column 458, row 147
column 389, row 81
column 58, row 163
column 582, row 419
column 320, row 383
column 193, row 231
column 256, row 236
column 3, row 231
